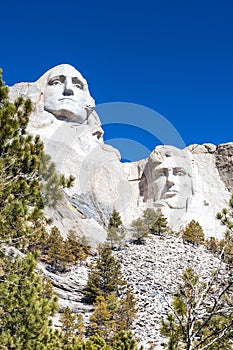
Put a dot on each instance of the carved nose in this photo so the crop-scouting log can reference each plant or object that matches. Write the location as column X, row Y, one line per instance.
column 68, row 88
column 68, row 92
column 170, row 181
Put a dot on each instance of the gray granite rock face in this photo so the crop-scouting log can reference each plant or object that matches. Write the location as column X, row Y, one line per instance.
column 224, row 164
column 198, row 190
column 193, row 183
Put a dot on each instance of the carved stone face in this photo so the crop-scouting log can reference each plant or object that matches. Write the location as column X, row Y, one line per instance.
column 66, row 94
column 172, row 182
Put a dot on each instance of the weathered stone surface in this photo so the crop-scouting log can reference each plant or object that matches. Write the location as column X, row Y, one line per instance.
column 194, row 183
column 224, row 164
column 67, row 217
column 205, row 148
column 186, row 185
column 64, row 117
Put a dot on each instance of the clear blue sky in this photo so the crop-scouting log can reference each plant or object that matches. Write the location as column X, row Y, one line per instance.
column 173, row 56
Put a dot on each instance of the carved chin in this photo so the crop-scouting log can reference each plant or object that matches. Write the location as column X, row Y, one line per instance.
column 64, row 114
column 175, row 204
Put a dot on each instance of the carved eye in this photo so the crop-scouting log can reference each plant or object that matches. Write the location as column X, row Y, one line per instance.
column 78, row 86
column 77, row 83
column 161, row 173
column 56, row 82
column 180, row 173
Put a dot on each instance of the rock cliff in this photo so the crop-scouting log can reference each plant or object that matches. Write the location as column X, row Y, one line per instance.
column 192, row 183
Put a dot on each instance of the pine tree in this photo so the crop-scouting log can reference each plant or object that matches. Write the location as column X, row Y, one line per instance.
column 60, row 253
column 26, row 177
column 115, row 219
column 160, row 225
column 56, row 252
column 226, row 219
column 127, row 311
column 68, row 325
column 72, row 249
column 126, row 341
column 102, row 321
column 226, row 249
column 150, row 216
column 202, row 314
column 73, row 328
column 85, row 244
column 222, row 248
column 95, row 342
column 81, row 328
column 116, row 232
column 193, row 233
column 213, row 245
column 112, row 315
column 155, row 221
column 105, row 276
column 26, row 307
column 77, row 248
column 139, row 231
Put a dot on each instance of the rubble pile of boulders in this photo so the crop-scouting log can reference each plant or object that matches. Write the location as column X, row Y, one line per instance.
column 154, row 270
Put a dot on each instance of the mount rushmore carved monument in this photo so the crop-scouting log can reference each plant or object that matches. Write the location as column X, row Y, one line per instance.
column 192, row 183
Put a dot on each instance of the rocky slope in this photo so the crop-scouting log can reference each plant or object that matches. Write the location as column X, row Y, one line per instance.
column 153, row 271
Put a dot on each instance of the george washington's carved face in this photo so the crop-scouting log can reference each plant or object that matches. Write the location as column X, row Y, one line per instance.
column 66, row 94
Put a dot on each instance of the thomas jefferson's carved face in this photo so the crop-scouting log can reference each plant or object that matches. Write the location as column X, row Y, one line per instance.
column 172, row 182
column 66, row 95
